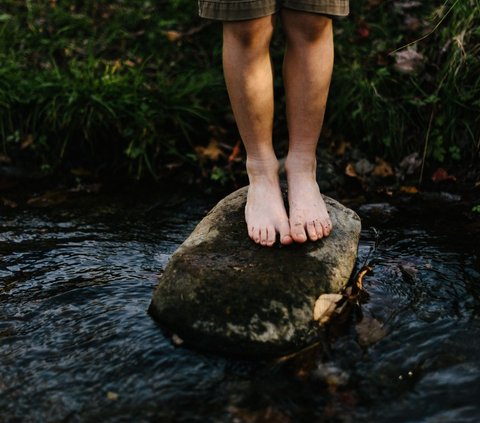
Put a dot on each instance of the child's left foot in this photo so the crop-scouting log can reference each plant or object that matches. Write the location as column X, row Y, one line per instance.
column 308, row 215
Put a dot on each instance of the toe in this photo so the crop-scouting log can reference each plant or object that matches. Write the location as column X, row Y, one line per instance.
column 263, row 236
column 298, row 232
column 319, row 229
column 285, row 237
column 327, row 227
column 270, row 235
column 312, row 232
column 256, row 235
column 251, row 233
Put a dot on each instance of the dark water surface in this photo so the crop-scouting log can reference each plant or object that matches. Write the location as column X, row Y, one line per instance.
column 77, row 344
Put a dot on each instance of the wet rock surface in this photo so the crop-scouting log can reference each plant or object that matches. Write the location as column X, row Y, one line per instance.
column 223, row 293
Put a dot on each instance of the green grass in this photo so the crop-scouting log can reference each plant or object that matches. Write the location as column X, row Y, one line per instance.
column 101, row 82
column 134, row 86
column 389, row 112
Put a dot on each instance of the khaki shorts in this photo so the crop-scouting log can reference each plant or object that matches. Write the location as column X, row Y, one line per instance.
column 236, row 10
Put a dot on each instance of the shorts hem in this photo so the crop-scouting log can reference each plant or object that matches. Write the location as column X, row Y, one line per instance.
column 315, row 8
column 238, row 10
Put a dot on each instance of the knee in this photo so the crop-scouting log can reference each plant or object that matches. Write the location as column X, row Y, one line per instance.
column 307, row 28
column 253, row 33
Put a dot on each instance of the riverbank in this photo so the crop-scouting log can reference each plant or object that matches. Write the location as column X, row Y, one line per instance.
column 108, row 88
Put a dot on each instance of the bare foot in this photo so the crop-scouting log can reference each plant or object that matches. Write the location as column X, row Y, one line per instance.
column 265, row 212
column 309, row 217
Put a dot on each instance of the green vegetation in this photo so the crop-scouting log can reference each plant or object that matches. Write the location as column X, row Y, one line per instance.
column 120, row 83
column 426, row 92
column 136, row 87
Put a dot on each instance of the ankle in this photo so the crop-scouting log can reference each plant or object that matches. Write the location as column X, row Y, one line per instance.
column 304, row 165
column 262, row 169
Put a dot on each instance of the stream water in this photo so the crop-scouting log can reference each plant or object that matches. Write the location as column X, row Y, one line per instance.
column 77, row 343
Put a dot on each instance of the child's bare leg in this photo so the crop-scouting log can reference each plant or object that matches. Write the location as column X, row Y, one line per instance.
column 249, row 79
column 307, row 71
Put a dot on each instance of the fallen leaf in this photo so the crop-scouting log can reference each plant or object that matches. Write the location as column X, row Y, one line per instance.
column 408, row 61
column 342, row 147
column 412, row 23
column 363, row 31
column 50, row 198
column 370, row 331
column 80, row 171
column 407, row 189
column 382, row 168
column 332, row 375
column 350, row 171
column 173, row 36
column 211, row 152
column 325, row 306
column 361, row 274
column 177, row 341
column 441, row 175
column 5, row 159
column 411, row 163
column 27, row 142
column 265, row 415
column 112, row 396
column 235, row 152
column 8, row 203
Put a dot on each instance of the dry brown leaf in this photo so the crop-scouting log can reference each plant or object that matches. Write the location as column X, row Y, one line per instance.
column 412, row 23
column 325, row 306
column 80, row 171
column 341, row 148
column 112, row 396
column 27, row 142
column 382, row 168
column 441, row 175
column 50, row 198
column 407, row 189
column 235, row 152
column 177, row 341
column 363, row 30
column 5, row 159
column 8, row 203
column 263, row 415
column 370, row 331
column 211, row 152
column 173, row 36
column 350, row 171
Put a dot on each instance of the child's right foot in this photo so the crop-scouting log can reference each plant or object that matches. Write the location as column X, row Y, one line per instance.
column 265, row 212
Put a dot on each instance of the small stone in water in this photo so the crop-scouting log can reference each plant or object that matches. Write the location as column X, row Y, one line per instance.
column 112, row 396
column 177, row 341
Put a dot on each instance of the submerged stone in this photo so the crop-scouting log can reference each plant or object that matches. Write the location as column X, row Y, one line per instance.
column 222, row 292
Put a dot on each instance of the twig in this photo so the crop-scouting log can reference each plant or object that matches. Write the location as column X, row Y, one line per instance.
column 431, row 32
column 426, row 145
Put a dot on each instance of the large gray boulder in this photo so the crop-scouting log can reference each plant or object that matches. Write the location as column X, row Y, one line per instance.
column 222, row 292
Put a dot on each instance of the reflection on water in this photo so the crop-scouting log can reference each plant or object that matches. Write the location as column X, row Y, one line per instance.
column 76, row 342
